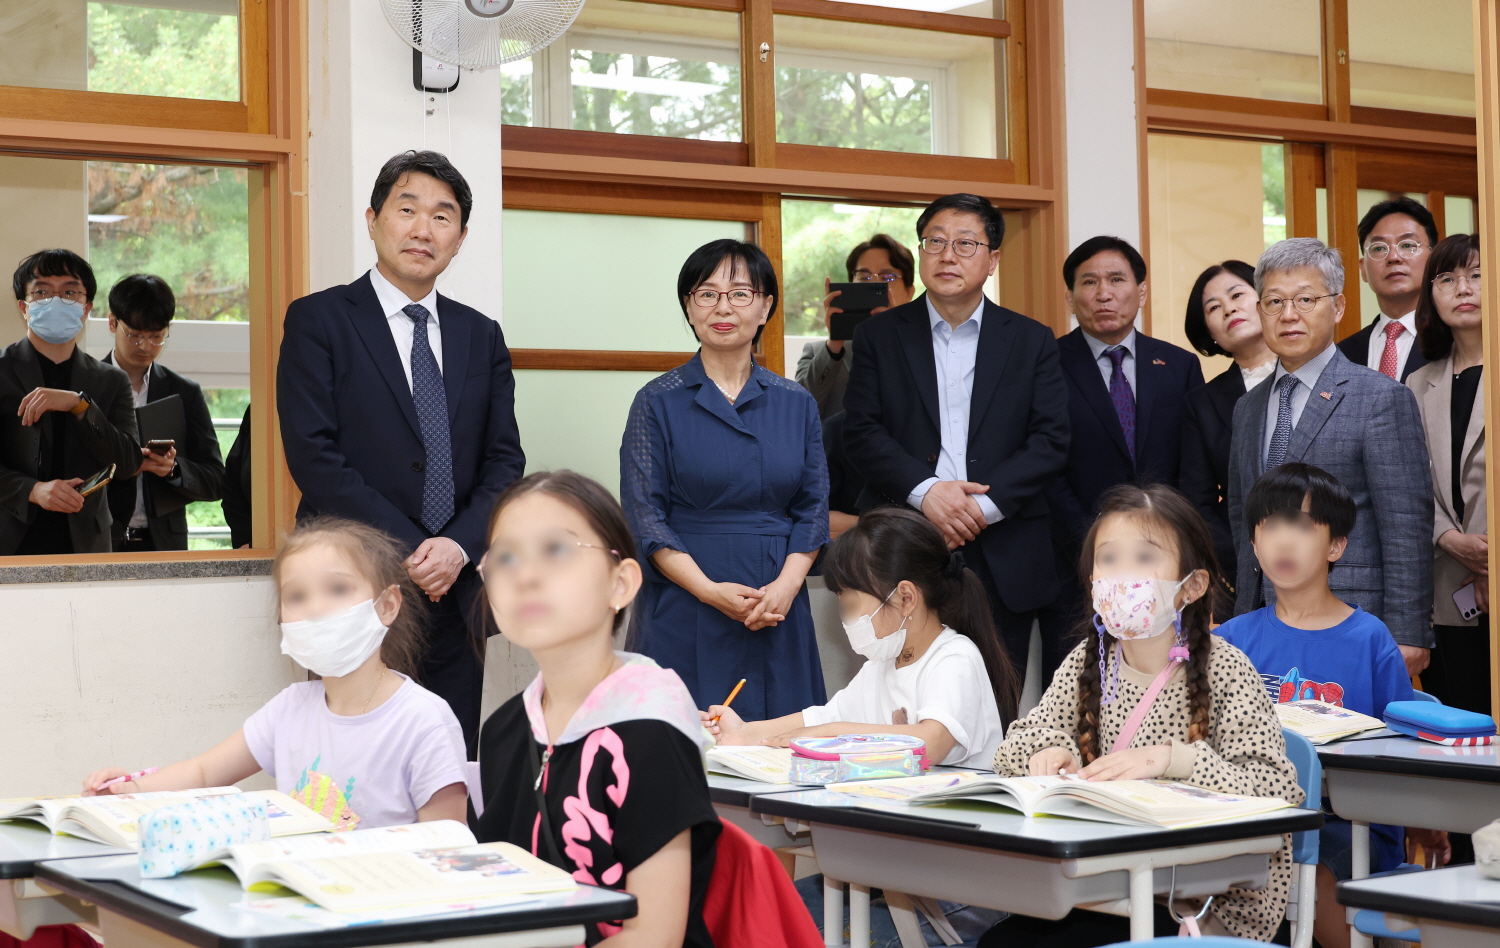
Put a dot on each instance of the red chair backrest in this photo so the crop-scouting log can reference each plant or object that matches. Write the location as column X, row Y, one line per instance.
column 751, row 903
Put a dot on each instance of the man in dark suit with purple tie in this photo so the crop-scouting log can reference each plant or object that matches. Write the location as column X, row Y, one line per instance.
column 397, row 409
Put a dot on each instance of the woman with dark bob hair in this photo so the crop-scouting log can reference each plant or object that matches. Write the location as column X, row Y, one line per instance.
column 1450, row 330
column 1223, row 318
column 724, row 482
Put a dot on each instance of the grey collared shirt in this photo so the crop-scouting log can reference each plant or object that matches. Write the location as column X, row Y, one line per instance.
column 1106, row 367
column 1307, row 380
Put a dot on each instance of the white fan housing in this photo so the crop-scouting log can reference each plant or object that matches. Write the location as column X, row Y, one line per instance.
column 480, row 33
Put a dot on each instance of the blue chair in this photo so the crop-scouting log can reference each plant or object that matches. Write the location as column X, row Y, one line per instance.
column 1424, row 696
column 1301, row 902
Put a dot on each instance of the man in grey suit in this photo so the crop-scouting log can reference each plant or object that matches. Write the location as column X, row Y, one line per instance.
column 1357, row 424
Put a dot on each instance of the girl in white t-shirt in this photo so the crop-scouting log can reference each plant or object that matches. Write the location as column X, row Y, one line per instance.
column 365, row 745
column 934, row 667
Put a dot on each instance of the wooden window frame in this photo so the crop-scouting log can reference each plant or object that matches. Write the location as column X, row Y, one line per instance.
column 265, row 133
column 601, row 172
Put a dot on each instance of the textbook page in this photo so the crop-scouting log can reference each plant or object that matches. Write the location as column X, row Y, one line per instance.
column 246, row 859
column 1321, row 722
column 753, row 762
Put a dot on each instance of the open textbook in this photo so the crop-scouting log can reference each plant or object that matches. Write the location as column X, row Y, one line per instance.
column 1321, row 722
column 113, row 819
column 753, row 762
column 420, row 864
column 1136, row 802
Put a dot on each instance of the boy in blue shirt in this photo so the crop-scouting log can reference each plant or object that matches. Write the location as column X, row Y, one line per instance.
column 1308, row 644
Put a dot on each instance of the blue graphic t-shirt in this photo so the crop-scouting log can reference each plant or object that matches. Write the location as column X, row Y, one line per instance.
column 1354, row 665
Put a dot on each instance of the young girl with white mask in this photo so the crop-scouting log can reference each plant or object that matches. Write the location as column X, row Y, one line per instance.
column 934, row 667
column 1149, row 693
column 366, row 745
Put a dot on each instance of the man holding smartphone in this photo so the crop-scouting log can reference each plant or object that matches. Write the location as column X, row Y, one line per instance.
column 150, row 511
column 823, row 368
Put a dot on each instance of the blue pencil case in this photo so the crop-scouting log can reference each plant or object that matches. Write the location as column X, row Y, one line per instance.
column 187, row 835
column 1440, row 724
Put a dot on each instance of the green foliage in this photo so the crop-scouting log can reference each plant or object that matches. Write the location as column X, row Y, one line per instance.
column 188, row 225
column 817, row 238
column 713, row 116
column 146, row 51
column 515, row 97
column 227, row 403
column 1273, row 191
column 853, row 110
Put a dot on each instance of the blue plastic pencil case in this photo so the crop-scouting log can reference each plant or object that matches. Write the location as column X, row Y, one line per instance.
column 184, row 836
column 1439, row 723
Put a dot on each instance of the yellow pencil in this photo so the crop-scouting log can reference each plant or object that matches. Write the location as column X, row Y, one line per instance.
column 730, row 699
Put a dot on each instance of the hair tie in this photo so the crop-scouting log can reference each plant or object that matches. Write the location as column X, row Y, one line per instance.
column 956, row 566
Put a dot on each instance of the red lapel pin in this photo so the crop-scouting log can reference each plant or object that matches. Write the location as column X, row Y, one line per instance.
column 1326, row 394
column 1157, row 362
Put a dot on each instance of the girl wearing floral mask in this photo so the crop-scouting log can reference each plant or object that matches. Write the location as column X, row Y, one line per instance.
column 934, row 667
column 364, row 745
column 1152, row 693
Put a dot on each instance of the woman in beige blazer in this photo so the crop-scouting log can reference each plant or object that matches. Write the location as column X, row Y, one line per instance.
column 1447, row 390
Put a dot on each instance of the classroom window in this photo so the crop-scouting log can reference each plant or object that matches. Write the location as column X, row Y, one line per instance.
column 1266, row 50
column 634, row 68
column 173, row 49
column 984, row 8
column 1422, row 63
column 886, row 88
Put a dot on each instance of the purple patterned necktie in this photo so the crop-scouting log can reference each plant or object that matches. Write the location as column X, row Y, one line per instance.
column 432, row 415
column 1122, row 396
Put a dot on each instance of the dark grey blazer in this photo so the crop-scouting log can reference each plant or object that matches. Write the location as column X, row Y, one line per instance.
column 1364, row 429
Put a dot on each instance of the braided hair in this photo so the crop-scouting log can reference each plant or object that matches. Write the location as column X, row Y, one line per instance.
column 1170, row 515
column 891, row 544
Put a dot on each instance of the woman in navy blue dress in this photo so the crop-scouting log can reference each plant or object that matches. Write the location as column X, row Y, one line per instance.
column 725, row 485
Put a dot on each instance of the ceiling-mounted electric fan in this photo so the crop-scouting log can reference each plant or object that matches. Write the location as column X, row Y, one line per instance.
column 480, row 33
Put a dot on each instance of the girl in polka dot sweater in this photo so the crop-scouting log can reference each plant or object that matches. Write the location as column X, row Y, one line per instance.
column 1149, row 560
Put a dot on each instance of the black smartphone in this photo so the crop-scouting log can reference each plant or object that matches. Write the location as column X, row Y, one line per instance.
column 160, row 446
column 856, row 300
column 97, row 481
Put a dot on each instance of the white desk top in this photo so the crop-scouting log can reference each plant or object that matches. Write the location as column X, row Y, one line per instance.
column 1456, row 894
column 24, row 843
column 1413, row 757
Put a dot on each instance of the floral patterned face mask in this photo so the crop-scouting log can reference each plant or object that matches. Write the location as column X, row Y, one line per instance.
column 1136, row 608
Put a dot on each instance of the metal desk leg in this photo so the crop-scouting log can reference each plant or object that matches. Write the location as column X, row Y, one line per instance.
column 1359, row 837
column 859, row 915
column 833, row 912
column 1142, row 903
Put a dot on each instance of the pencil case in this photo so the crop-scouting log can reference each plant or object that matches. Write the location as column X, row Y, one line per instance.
column 1440, row 724
column 850, row 757
column 187, row 835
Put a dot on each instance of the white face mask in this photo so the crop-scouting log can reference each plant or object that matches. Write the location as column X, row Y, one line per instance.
column 1136, row 608
column 864, row 641
column 335, row 645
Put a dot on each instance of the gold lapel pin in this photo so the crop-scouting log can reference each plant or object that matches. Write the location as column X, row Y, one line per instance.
column 1326, row 394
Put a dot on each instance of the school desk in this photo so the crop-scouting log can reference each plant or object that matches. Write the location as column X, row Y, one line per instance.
column 731, row 799
column 23, row 905
column 982, row 855
column 197, row 909
column 1454, row 907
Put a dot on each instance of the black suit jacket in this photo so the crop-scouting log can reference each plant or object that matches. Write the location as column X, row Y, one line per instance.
column 1207, row 431
column 237, row 491
column 1018, row 431
column 1356, row 348
column 105, row 434
column 200, row 468
column 349, row 424
column 1097, row 455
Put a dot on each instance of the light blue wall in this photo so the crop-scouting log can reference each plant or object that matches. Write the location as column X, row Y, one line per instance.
column 575, row 419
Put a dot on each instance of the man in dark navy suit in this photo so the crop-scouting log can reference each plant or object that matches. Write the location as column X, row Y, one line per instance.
column 1395, row 239
column 398, row 409
column 1125, row 400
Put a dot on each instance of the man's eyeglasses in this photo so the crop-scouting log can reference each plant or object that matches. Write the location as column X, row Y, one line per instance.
column 1379, row 250
column 1274, row 306
column 707, row 298
column 1447, row 283
column 75, row 296
column 871, row 276
column 148, row 340
column 963, row 246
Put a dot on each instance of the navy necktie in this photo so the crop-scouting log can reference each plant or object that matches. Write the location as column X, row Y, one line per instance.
column 1281, row 436
column 1122, row 396
column 432, row 415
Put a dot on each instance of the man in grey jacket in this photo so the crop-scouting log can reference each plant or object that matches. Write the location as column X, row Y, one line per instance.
column 1355, row 423
column 823, row 368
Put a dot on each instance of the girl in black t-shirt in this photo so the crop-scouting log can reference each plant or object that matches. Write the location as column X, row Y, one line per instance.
column 622, row 801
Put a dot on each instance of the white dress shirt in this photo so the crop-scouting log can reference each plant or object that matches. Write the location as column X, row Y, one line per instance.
column 392, row 303
column 138, row 519
column 1106, row 367
column 953, row 354
column 1404, row 342
column 1307, row 379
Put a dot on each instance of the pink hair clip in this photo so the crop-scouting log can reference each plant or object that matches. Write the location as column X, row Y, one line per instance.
column 1179, row 653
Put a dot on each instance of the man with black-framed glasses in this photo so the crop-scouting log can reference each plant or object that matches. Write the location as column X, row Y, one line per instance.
column 64, row 416
column 1395, row 239
column 150, row 510
column 957, row 407
column 1357, row 424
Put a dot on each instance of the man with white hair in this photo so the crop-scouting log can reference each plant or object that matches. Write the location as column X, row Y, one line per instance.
column 1353, row 422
